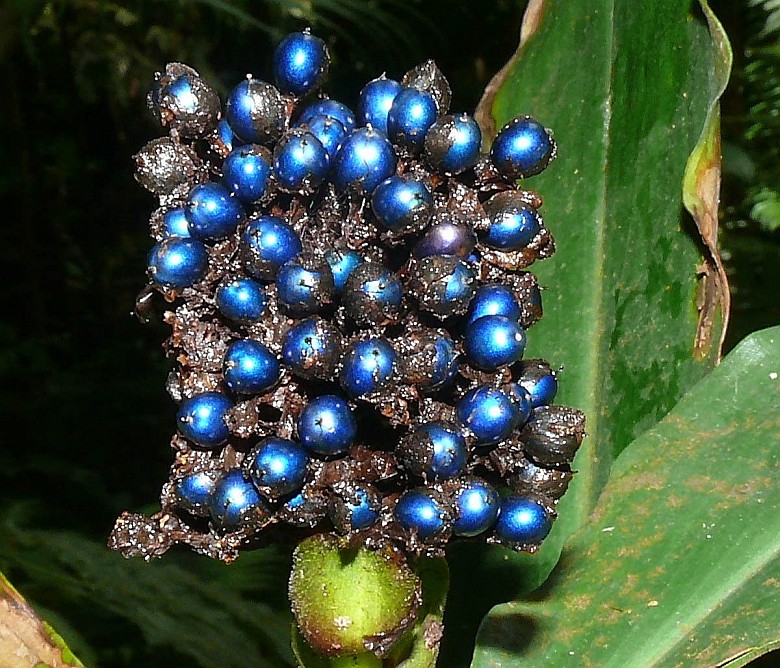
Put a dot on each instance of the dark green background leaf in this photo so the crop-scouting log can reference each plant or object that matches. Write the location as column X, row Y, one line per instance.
column 680, row 563
column 627, row 89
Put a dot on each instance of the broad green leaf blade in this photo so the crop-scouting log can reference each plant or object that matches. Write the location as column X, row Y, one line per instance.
column 680, row 562
column 25, row 639
column 630, row 90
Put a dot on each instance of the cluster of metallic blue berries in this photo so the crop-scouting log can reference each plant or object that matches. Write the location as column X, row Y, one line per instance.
column 348, row 297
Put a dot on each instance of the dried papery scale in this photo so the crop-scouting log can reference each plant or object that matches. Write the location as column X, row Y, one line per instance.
column 323, row 304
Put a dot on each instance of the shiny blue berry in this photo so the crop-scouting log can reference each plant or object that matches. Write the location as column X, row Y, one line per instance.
column 452, row 144
column 445, row 364
column 174, row 223
column 256, row 112
column 523, row 147
column 446, row 237
column 235, row 501
column 419, row 512
column 367, row 366
column 493, row 341
column 278, row 466
column 312, row 348
column 266, row 244
column 306, row 509
column 402, row 204
column 494, row 299
column 242, row 300
column 300, row 161
column 246, row 172
column 327, row 107
column 178, row 263
column 434, row 450
column 300, row 63
column 201, row 418
column 443, row 285
column 304, row 285
column 354, row 506
column 490, row 414
column 412, row 113
column 329, row 131
column 522, row 521
column 364, row 159
column 342, row 262
column 184, row 102
column 539, row 380
column 212, row 213
column 372, row 294
column 249, row 367
column 225, row 140
column 375, row 101
column 327, row 426
column 476, row 507
column 192, row 491
column 512, row 228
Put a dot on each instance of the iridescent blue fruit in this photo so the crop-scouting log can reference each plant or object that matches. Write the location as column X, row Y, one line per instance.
column 201, row 419
column 375, row 101
column 365, row 159
column 212, row 213
column 327, row 107
column 493, row 341
column 367, row 366
column 329, row 131
column 174, row 223
column 523, row 147
column 452, row 144
column 402, row 204
column 278, row 466
column 177, row 263
column 304, row 285
column 249, row 367
column 490, row 414
column 434, row 450
column 372, row 294
column 413, row 111
column 242, row 300
column 247, row 171
column 443, row 284
column 512, row 228
column 446, row 237
column 312, row 348
column 494, row 299
column 476, row 507
column 300, row 63
column 445, row 363
column 433, row 363
column 192, row 491
column 327, row 426
column 235, row 501
column 342, row 262
column 225, row 140
column 419, row 512
column 354, row 506
column 267, row 243
column 255, row 111
column 523, row 521
column 301, row 162
column 305, row 510
column 540, row 381
column 184, row 102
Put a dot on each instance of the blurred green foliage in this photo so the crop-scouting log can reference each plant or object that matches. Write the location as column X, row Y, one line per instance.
column 86, row 416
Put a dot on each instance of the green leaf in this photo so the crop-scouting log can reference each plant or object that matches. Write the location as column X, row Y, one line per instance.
column 680, row 563
column 184, row 602
column 633, row 305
